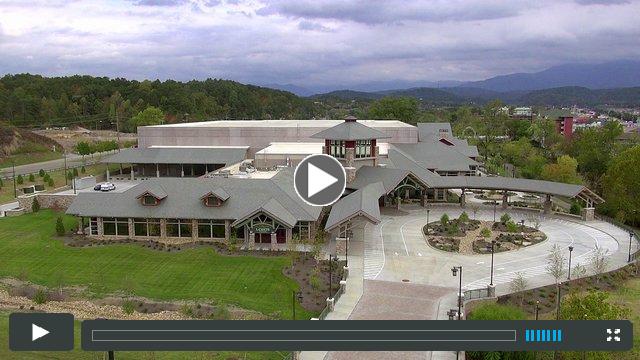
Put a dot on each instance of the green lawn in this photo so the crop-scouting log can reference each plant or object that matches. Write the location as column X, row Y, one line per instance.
column 77, row 354
column 29, row 158
column 27, row 248
column 629, row 295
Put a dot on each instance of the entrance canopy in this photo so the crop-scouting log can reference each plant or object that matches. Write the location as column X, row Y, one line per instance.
column 361, row 203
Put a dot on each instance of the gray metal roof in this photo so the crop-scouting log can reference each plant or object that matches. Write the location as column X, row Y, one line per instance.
column 350, row 130
column 153, row 189
column 389, row 177
column 179, row 155
column 363, row 202
column 272, row 208
column 426, row 131
column 515, row 184
column 437, row 156
column 184, row 199
column 399, row 160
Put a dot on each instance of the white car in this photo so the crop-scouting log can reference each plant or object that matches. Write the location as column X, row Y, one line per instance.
column 107, row 186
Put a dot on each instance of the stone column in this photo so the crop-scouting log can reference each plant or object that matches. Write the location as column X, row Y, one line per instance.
column 274, row 241
column 108, row 175
column 163, row 228
column 80, row 226
column 376, row 153
column 350, row 171
column 588, row 214
column 132, row 173
column 132, row 231
column 547, row 205
column 252, row 240
column 289, row 235
column 194, row 229
column 423, row 198
column 100, row 227
column 505, row 199
column 227, row 230
column 181, row 170
column 157, row 170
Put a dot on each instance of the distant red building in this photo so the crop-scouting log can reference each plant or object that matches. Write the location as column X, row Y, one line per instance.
column 563, row 119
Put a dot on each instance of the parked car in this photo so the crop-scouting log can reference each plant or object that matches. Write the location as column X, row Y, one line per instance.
column 97, row 187
column 107, row 186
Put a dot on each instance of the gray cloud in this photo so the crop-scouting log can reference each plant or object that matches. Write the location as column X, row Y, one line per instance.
column 318, row 47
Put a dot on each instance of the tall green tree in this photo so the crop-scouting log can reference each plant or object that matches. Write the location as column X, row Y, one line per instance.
column 397, row 108
column 565, row 170
column 594, row 148
column 621, row 186
column 150, row 116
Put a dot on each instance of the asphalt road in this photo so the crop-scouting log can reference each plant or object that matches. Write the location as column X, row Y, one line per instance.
column 73, row 160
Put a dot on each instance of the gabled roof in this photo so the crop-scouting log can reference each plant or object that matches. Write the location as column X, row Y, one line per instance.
column 426, row 131
column 350, row 130
column 217, row 192
column 273, row 209
column 363, row 202
column 185, row 200
column 399, row 160
column 388, row 177
column 179, row 155
column 435, row 155
column 155, row 190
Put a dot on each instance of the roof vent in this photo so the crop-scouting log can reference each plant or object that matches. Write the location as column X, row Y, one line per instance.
column 350, row 118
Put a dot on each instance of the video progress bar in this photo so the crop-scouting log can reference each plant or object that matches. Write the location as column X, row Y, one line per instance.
column 280, row 335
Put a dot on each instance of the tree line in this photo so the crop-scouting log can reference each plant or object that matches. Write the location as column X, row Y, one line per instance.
column 96, row 102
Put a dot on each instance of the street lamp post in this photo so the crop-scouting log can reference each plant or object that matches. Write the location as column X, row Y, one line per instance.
column 495, row 204
column 295, row 295
column 66, row 180
column 15, row 188
column 428, row 211
column 493, row 246
column 346, row 251
column 569, row 270
column 454, row 271
column 331, row 260
column 537, row 308
column 630, row 240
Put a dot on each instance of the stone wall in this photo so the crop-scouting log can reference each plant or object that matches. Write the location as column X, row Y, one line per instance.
column 47, row 201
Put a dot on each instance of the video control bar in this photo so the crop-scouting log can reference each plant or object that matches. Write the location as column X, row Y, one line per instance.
column 355, row 335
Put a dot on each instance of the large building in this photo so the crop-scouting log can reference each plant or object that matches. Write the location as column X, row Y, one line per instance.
column 218, row 191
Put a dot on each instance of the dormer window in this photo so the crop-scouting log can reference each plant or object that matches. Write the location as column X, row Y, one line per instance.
column 213, row 201
column 149, row 200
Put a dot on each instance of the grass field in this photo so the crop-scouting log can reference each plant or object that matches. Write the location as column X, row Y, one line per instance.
column 29, row 158
column 27, row 248
column 629, row 295
column 78, row 354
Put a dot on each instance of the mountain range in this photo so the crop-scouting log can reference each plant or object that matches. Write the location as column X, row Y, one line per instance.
column 569, row 82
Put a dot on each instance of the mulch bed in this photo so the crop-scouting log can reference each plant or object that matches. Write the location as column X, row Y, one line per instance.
column 526, row 300
column 315, row 292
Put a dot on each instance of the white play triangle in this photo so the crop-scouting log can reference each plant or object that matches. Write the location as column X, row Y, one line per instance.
column 318, row 180
column 37, row 332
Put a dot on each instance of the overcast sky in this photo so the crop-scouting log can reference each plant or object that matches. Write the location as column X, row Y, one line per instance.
column 312, row 43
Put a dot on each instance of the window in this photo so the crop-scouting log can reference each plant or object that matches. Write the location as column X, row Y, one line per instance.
column 93, row 226
column 115, row 226
column 146, row 227
column 211, row 229
column 212, row 201
column 149, row 200
column 179, row 228
column 363, row 148
column 301, row 230
column 337, row 148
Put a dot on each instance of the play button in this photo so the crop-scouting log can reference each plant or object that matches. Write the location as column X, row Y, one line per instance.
column 37, row 332
column 319, row 180
column 40, row 332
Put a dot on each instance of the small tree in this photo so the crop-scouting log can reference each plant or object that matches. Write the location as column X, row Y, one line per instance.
column 41, row 173
column 599, row 262
column 518, row 285
column 593, row 306
column 60, row 226
column 83, row 170
column 512, row 227
column 69, row 175
column 20, row 180
column 444, row 220
column 50, row 182
column 46, row 177
column 35, row 206
column 485, row 233
column 579, row 271
column 292, row 249
column 505, row 218
column 475, row 209
column 75, row 172
column 464, row 217
column 32, row 178
column 556, row 263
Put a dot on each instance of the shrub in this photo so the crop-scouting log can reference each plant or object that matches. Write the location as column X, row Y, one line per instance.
column 83, row 170
column 128, row 306
column 464, row 217
column 41, row 173
column 453, row 228
column 496, row 312
column 1, row 183
column 50, row 182
column 187, row 310
column 40, row 297
column 46, row 177
column 35, row 206
column 485, row 233
column 75, row 172
column 20, row 180
column 69, row 175
column 221, row 312
column 444, row 220
column 512, row 227
column 32, row 178
column 505, row 218
column 314, row 281
column 59, row 226
column 575, row 209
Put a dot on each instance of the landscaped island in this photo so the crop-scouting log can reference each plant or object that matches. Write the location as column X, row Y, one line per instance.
column 470, row 236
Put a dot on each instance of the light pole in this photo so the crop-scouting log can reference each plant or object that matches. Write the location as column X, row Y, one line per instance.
column 295, row 295
column 630, row 240
column 66, row 180
column 569, row 270
column 495, row 204
column 331, row 260
column 428, row 211
column 15, row 188
column 346, row 251
column 454, row 271
column 493, row 245
column 537, row 308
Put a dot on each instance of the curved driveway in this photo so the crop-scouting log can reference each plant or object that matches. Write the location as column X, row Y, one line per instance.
column 398, row 250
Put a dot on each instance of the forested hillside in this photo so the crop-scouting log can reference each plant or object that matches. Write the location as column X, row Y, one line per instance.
column 94, row 102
